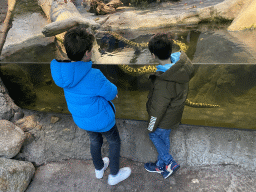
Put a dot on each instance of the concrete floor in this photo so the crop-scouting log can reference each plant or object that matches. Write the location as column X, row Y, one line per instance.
column 79, row 176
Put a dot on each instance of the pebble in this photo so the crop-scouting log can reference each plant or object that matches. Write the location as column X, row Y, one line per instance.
column 54, row 119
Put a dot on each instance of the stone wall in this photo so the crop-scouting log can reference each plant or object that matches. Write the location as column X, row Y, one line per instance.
column 57, row 138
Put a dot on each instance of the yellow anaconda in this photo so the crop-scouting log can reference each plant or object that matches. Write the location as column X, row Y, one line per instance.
column 144, row 69
column 199, row 105
column 150, row 68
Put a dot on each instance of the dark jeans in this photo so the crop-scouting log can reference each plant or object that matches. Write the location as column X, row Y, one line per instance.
column 114, row 142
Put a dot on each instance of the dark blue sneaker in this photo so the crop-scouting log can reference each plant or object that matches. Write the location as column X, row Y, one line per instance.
column 152, row 167
column 170, row 169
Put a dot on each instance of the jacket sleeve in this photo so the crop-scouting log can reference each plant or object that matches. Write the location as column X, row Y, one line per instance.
column 107, row 89
column 162, row 95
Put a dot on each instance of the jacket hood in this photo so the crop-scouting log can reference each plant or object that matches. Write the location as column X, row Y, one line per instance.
column 67, row 74
column 181, row 72
column 174, row 58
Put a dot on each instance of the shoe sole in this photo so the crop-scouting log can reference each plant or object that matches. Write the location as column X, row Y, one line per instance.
column 115, row 183
column 172, row 173
column 153, row 171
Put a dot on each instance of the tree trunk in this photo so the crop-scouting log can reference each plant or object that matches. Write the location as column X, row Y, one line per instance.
column 63, row 16
column 7, row 23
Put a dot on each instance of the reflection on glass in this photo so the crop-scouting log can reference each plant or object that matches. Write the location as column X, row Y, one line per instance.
column 225, row 76
column 232, row 87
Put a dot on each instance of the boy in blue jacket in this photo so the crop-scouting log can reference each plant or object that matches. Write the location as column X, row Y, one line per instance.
column 88, row 94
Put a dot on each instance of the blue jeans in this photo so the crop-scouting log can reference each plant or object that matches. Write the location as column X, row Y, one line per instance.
column 161, row 140
column 114, row 141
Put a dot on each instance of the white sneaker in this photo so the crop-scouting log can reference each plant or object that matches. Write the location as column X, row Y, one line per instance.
column 99, row 173
column 123, row 174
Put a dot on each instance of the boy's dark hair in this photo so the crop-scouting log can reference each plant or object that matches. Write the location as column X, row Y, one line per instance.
column 161, row 45
column 77, row 41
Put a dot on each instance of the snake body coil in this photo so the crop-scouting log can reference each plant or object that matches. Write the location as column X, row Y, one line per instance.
column 199, row 105
column 150, row 68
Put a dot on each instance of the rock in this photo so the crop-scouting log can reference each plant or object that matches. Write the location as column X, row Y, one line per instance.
column 54, row 119
column 5, row 110
column 20, row 87
column 7, row 106
column 18, row 115
column 11, row 139
column 246, row 18
column 15, row 175
column 3, row 10
column 36, row 130
column 86, row 3
column 247, row 39
column 28, row 123
column 228, row 9
column 114, row 3
column 93, row 6
column 208, row 11
column 100, row 8
column 28, row 138
column 205, row 13
column 221, row 83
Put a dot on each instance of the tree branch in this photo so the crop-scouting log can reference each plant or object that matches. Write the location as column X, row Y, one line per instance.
column 7, row 23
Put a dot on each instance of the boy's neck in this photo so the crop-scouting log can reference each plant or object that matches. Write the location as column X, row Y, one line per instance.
column 163, row 62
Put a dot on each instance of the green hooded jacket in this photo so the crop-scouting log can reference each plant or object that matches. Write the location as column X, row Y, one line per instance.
column 167, row 95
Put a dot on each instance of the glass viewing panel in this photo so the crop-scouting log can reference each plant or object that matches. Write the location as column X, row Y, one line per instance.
column 231, row 87
column 225, row 75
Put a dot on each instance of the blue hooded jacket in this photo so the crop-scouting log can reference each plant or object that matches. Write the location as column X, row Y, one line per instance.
column 175, row 57
column 88, row 94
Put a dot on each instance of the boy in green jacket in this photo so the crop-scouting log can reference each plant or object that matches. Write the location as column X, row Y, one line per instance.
column 166, row 100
